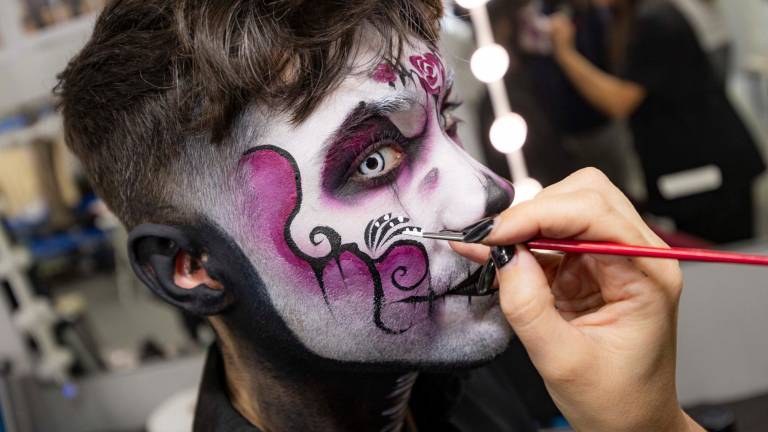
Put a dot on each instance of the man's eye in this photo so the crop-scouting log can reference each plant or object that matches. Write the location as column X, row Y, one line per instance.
column 379, row 163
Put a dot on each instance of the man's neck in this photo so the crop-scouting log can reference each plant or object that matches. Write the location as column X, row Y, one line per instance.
column 307, row 400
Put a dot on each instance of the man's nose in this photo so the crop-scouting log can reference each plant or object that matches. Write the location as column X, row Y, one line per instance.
column 469, row 193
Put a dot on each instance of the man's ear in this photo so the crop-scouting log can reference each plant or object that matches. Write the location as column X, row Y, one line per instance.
column 174, row 264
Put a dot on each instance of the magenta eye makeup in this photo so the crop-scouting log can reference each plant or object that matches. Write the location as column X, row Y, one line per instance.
column 376, row 163
column 369, row 156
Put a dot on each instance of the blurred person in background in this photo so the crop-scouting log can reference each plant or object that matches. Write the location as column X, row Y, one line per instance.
column 544, row 153
column 698, row 158
column 589, row 136
column 565, row 131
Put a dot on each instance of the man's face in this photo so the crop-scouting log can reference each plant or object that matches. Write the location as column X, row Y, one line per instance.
column 324, row 206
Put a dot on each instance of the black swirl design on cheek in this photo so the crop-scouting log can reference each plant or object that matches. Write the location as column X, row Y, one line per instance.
column 376, row 237
column 402, row 271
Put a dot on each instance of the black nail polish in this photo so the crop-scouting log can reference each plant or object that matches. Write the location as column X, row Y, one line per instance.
column 487, row 276
column 478, row 231
column 502, row 255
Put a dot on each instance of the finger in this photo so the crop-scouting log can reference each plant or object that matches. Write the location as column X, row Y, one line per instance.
column 583, row 304
column 475, row 252
column 592, row 178
column 583, row 215
column 550, row 263
column 528, row 306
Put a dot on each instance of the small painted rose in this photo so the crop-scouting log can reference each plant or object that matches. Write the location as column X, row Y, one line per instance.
column 430, row 70
column 384, row 73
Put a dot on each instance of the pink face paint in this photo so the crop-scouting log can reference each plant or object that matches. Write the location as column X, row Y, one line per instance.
column 384, row 73
column 430, row 182
column 401, row 271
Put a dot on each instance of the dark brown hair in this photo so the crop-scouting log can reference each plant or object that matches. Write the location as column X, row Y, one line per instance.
column 156, row 72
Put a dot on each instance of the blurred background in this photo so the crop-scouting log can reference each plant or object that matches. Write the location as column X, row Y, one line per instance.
column 85, row 347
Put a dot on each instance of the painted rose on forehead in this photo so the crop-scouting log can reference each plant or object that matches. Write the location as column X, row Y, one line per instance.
column 427, row 69
column 430, row 70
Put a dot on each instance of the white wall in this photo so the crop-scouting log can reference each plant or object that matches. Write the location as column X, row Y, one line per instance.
column 749, row 24
column 723, row 331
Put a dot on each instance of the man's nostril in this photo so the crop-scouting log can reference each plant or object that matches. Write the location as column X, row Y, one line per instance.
column 497, row 198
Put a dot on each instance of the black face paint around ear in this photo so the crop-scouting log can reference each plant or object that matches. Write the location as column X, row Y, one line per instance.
column 152, row 250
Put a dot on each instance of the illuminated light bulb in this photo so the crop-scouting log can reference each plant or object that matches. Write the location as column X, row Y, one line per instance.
column 526, row 189
column 508, row 133
column 470, row 4
column 489, row 63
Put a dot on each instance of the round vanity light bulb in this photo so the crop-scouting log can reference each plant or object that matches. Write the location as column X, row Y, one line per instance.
column 489, row 63
column 469, row 4
column 508, row 133
column 526, row 189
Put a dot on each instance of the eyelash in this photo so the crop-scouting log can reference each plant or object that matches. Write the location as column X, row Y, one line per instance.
column 448, row 108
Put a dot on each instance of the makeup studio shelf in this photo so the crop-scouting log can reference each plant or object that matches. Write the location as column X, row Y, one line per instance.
column 47, row 38
column 29, row 62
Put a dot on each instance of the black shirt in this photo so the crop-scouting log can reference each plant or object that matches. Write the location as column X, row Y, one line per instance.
column 569, row 111
column 686, row 120
column 484, row 399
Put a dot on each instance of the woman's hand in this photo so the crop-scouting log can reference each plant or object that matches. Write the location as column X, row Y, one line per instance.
column 600, row 329
column 563, row 32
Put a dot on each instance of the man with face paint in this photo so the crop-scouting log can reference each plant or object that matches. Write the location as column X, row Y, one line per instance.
column 268, row 158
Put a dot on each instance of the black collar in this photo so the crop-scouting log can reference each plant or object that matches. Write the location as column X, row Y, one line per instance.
column 484, row 399
column 214, row 411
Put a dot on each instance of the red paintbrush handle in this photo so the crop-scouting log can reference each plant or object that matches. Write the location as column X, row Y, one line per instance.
column 683, row 254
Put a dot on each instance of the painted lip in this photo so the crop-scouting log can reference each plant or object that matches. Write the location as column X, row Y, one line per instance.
column 467, row 287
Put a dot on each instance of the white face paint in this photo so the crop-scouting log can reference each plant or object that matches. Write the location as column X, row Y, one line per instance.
column 324, row 205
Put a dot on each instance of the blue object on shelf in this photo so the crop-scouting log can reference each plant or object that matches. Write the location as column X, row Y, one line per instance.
column 12, row 123
column 63, row 244
column 69, row 391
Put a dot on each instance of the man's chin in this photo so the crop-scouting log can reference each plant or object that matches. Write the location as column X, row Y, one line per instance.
column 467, row 342
column 470, row 341
column 439, row 365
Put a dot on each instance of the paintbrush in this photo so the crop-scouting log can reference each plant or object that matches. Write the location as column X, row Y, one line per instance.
column 602, row 248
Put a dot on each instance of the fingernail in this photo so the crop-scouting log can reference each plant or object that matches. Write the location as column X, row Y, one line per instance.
column 502, row 255
column 487, row 276
column 479, row 230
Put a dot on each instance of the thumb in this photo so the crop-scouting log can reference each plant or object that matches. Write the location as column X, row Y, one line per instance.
column 529, row 306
